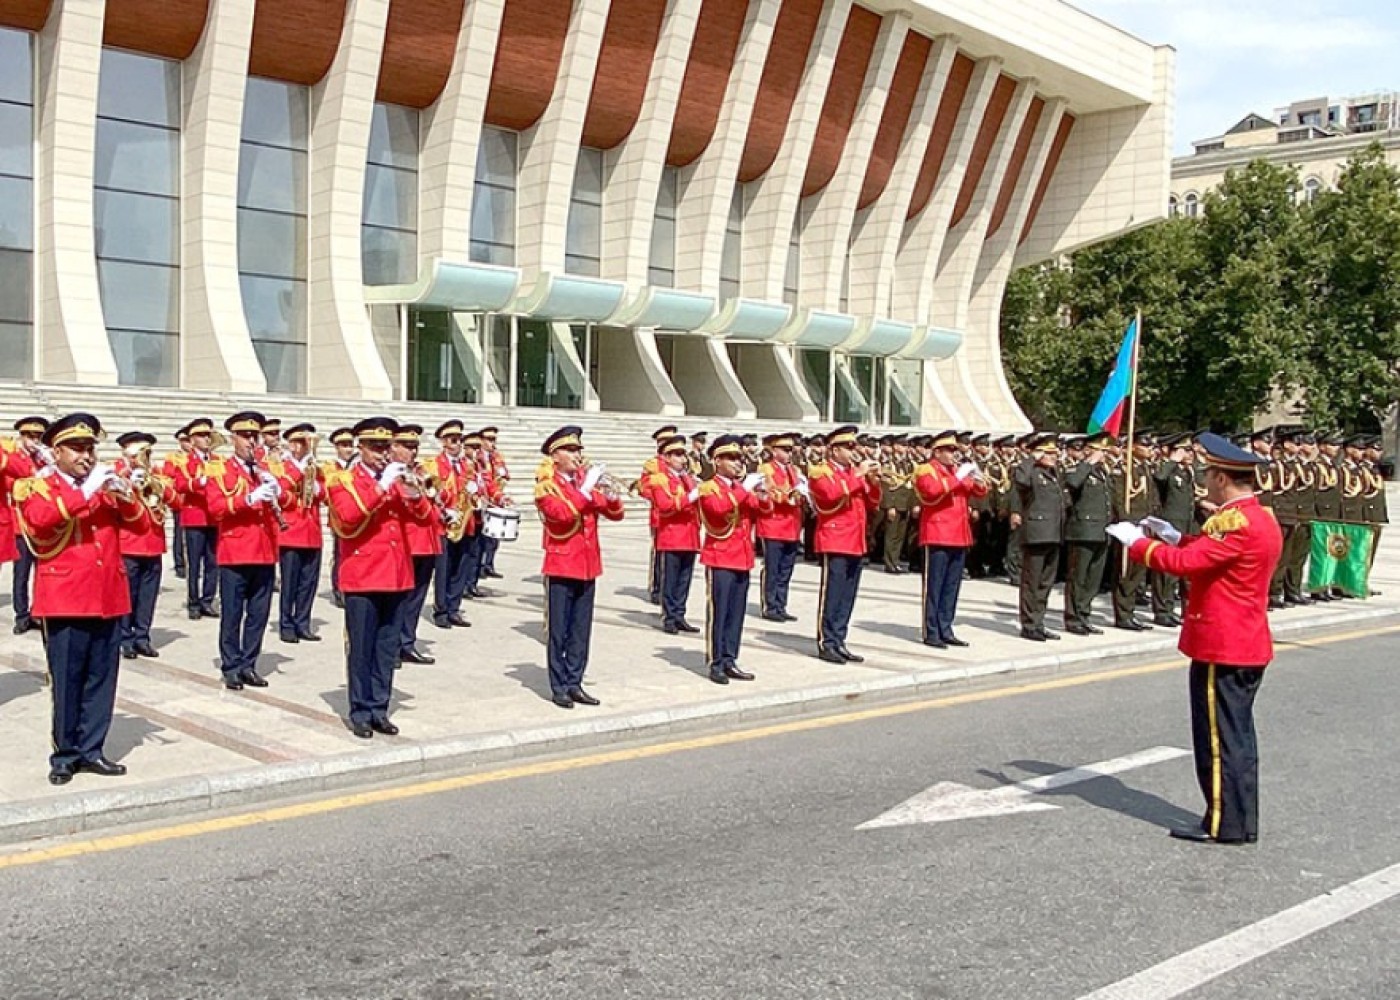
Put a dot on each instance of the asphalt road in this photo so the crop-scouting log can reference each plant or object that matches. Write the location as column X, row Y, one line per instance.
column 738, row 871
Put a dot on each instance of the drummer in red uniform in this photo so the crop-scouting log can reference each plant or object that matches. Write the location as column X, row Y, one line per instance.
column 141, row 539
column 845, row 493
column 730, row 503
column 570, row 502
column 71, row 518
column 943, row 487
column 780, row 526
column 673, row 492
column 1228, row 568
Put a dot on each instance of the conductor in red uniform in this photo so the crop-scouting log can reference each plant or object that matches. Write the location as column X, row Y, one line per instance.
column 845, row 493
column 943, row 487
column 1228, row 567
column 570, row 501
column 70, row 519
column 729, row 505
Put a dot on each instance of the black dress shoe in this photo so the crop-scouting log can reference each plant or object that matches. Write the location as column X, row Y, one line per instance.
column 209, row 612
column 789, row 618
column 441, row 622
column 719, row 677
column 1074, row 628
column 685, row 626
column 60, row 776
column 1033, row 634
column 23, row 625
column 670, row 628
column 1172, row 621
column 1050, row 636
column 829, row 655
column 289, row 637
column 253, row 679
column 103, row 766
column 1131, row 625
column 850, row 657
column 737, row 674
column 363, row 730
column 562, row 700
column 459, row 621
column 935, row 644
column 774, row 618
column 412, row 655
column 147, row 650
column 1192, row 833
column 1094, row 630
column 1275, row 604
column 476, row 592
column 491, row 574
column 384, row 726
column 233, row 683
column 128, row 653
column 308, row 637
column 582, row 697
column 195, row 614
column 953, row 640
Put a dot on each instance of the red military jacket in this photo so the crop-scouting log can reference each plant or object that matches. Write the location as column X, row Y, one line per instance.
column 675, row 517
column 79, row 572
column 247, row 532
column 452, row 482
column 642, row 487
column 1228, row 567
column 142, row 529
column 571, row 549
column 371, row 524
column 301, row 506
column 15, row 464
column 843, row 499
column 782, row 520
column 728, row 513
column 423, row 526
column 943, row 513
column 188, row 472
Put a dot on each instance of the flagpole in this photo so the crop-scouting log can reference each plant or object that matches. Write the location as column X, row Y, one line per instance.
column 1132, row 430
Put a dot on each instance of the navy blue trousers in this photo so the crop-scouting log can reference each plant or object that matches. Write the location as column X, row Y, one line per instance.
column 335, row 565
column 488, row 552
column 840, row 584
column 423, row 568
column 301, row 571
column 776, row 576
column 24, row 570
column 201, row 568
column 471, row 560
column 654, row 574
column 728, row 591
column 451, row 575
column 143, row 578
column 677, row 570
column 943, row 572
column 83, row 656
column 372, row 624
column 568, row 629
column 247, row 596
column 177, row 542
column 1226, row 747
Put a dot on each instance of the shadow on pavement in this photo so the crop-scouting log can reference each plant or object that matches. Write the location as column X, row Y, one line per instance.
column 127, row 733
column 532, row 677
column 18, row 684
column 1106, row 792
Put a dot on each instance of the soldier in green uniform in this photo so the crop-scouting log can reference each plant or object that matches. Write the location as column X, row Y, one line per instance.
column 983, row 510
column 897, row 499
column 1175, row 482
column 1038, row 514
column 1375, row 509
column 1132, row 501
column 1019, row 456
column 1353, row 481
column 1327, row 492
column 1283, row 473
column 1300, row 450
column 1090, row 513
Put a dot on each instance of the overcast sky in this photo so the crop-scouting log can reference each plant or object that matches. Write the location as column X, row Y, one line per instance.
column 1238, row 56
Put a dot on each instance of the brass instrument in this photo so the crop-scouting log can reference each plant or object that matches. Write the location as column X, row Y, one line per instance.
column 607, row 482
column 310, row 475
column 265, row 477
column 151, row 491
column 464, row 507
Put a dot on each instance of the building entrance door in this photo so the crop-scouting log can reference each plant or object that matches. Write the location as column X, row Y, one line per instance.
column 440, row 367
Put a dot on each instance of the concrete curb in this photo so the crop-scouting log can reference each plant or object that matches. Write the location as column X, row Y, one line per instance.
column 95, row 810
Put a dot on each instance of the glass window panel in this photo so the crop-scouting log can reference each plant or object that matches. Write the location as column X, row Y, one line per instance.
column 588, row 267
column 275, row 113
column 731, row 257
column 585, row 235
column 393, row 136
column 16, row 350
column 275, row 308
column 390, row 256
column 391, row 198
column 284, row 365
column 16, row 66
column 137, row 158
column 669, row 194
column 270, row 243
column 138, row 88
column 661, row 279
column 16, row 140
column 139, row 296
column 663, row 244
column 145, row 358
column 271, row 178
column 16, row 213
column 136, row 227
column 16, row 285
column 492, row 253
column 588, row 176
column 497, row 157
column 493, row 215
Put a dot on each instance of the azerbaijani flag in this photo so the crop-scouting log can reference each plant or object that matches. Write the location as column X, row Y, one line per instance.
column 1108, row 412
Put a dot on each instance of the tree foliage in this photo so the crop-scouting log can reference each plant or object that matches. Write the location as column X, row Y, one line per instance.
column 1265, row 294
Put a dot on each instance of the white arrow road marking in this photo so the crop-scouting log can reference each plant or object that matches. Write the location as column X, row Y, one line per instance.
column 1200, row 965
column 948, row 800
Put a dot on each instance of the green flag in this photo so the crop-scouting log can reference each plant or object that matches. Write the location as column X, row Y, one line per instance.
column 1341, row 557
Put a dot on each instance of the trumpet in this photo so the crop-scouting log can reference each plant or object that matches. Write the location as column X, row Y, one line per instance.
column 610, row 485
column 311, row 473
column 266, row 478
column 150, row 488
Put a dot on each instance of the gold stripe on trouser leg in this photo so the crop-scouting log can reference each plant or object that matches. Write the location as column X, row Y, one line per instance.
column 821, row 604
column 545, row 609
column 923, row 596
column 763, row 582
column 1216, row 778
column 709, row 618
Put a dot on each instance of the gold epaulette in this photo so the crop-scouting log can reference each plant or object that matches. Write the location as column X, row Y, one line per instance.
column 545, row 470
column 709, row 488
column 174, row 458
column 1218, row 525
column 337, row 476
column 9, row 444
column 213, row 467
column 26, row 488
column 327, row 468
column 819, row 471
column 651, row 466
column 926, row 469
column 546, row 487
column 767, row 469
column 658, row 479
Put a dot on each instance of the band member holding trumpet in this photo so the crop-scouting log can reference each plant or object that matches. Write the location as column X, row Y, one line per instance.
column 943, row 487
column 729, row 505
column 299, row 544
column 845, row 494
column 671, row 490
column 71, row 519
column 370, row 506
column 343, row 441
column 141, row 539
column 28, row 457
column 423, row 527
column 454, row 473
column 779, row 526
column 201, row 536
column 497, row 476
column 244, row 499
column 650, row 468
column 570, row 502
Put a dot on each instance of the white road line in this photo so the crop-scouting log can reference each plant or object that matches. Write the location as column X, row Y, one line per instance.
column 1200, row 965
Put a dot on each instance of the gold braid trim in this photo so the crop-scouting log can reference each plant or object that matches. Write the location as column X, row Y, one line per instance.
column 548, row 487
column 1218, row 525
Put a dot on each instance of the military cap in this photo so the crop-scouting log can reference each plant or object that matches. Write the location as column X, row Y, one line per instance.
column 964, row 437
column 342, row 435
column 1263, row 434
column 666, row 445
column 1045, row 442
column 1145, row 437
column 472, row 440
column 727, row 446
column 299, row 431
column 32, row 425
column 1332, row 437
column 271, row 424
column 375, row 429
column 982, row 439
column 1101, row 441
column 1076, row 441
column 1357, row 441
column 887, row 438
column 245, row 420
column 489, row 432
column 847, row 434
column 567, row 437
column 815, row 439
column 200, row 425
column 699, row 435
column 1222, row 453
column 780, row 441
column 1005, row 441
column 73, row 427
column 449, row 429
column 183, row 434
column 406, row 433
column 944, row 439
column 749, row 440
column 135, row 438
column 668, row 430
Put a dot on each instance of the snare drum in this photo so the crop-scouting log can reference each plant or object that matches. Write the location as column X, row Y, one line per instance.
column 501, row 523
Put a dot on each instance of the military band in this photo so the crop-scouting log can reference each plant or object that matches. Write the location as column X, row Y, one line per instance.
column 729, row 506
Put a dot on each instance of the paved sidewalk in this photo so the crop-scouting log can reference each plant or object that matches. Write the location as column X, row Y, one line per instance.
column 191, row 745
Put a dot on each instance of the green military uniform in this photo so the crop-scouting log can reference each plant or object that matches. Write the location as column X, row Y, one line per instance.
column 1176, row 504
column 1090, row 513
column 1284, row 474
column 1298, row 544
column 1374, row 504
column 1039, row 500
column 1011, row 560
column 1328, row 497
column 981, row 559
column 897, row 504
column 1130, row 504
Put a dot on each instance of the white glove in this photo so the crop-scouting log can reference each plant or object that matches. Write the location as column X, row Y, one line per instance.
column 473, row 488
column 1162, row 530
column 591, row 477
column 451, row 516
column 265, row 493
column 965, row 470
column 1126, row 532
column 753, row 480
column 804, row 490
column 270, row 481
column 99, row 477
column 393, row 472
column 138, row 477
column 693, row 495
